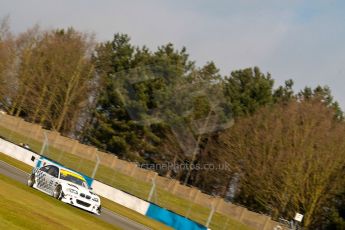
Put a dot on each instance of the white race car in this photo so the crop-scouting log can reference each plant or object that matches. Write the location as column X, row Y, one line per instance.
column 65, row 185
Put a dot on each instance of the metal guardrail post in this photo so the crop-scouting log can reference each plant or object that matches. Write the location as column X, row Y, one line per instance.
column 96, row 167
column 210, row 216
column 45, row 143
column 152, row 188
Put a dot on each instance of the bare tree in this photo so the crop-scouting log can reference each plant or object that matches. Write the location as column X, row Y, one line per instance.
column 7, row 59
column 53, row 77
column 22, row 72
column 289, row 158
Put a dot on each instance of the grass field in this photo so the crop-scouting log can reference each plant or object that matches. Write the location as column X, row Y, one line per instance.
column 131, row 185
column 25, row 208
column 105, row 202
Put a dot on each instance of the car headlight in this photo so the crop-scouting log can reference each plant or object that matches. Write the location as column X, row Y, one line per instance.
column 95, row 199
column 71, row 190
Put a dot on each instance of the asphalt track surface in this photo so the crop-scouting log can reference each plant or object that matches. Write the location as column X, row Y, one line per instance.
column 106, row 215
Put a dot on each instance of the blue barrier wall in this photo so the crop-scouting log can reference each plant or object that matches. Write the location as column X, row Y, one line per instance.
column 172, row 219
column 45, row 161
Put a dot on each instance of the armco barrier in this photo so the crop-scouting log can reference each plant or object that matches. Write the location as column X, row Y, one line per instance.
column 19, row 153
column 120, row 197
column 143, row 207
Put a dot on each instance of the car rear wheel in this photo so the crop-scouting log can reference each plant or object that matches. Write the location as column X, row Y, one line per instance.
column 57, row 192
column 31, row 180
column 99, row 210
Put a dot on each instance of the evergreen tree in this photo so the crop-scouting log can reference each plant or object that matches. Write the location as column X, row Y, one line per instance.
column 248, row 89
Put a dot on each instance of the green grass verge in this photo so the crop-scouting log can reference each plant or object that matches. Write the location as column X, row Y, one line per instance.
column 25, row 208
column 16, row 163
column 129, row 184
column 117, row 208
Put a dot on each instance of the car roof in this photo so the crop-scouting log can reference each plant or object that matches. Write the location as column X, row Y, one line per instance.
column 53, row 162
column 72, row 173
column 67, row 170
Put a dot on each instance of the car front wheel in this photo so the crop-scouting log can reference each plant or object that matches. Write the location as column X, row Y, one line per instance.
column 31, row 180
column 57, row 193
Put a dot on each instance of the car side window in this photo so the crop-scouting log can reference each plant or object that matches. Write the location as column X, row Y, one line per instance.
column 53, row 171
column 45, row 168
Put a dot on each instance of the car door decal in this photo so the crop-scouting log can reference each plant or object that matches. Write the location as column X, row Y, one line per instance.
column 44, row 181
column 39, row 178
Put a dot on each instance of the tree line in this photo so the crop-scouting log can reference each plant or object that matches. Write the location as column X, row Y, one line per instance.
column 284, row 150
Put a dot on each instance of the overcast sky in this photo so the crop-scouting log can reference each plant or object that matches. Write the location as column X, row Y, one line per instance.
column 301, row 40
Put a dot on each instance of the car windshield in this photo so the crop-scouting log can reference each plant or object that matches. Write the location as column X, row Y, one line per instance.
column 72, row 177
